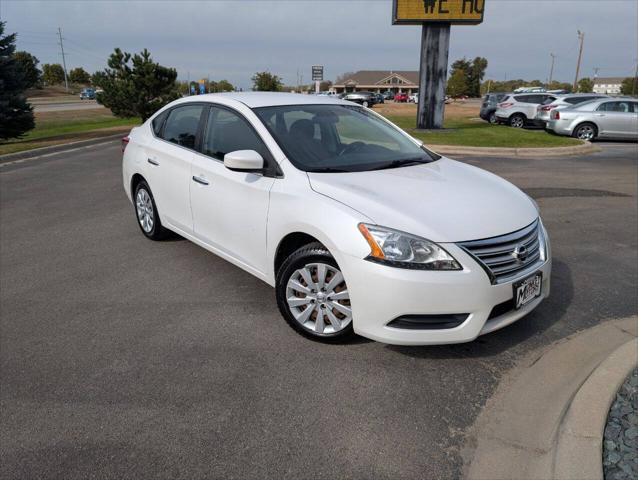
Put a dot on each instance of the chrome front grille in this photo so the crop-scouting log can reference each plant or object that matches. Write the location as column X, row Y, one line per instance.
column 509, row 256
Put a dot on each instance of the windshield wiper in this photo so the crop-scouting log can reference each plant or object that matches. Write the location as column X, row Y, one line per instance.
column 328, row 170
column 402, row 163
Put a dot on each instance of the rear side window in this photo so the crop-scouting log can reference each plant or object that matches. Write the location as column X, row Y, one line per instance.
column 158, row 123
column 522, row 98
column 182, row 124
column 620, row 107
column 226, row 132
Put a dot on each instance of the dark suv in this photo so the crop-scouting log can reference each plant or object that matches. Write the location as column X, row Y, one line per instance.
column 488, row 107
column 367, row 99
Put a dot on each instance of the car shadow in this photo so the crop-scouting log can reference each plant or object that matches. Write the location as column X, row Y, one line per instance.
column 547, row 314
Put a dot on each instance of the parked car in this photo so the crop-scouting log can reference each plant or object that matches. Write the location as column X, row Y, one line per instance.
column 602, row 118
column 518, row 110
column 389, row 95
column 401, row 97
column 414, row 98
column 325, row 202
column 87, row 94
column 488, row 107
column 367, row 99
column 564, row 101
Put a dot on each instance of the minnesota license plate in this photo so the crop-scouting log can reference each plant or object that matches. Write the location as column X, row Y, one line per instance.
column 528, row 289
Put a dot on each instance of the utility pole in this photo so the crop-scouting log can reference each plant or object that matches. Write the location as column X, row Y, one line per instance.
column 581, row 37
column 66, row 79
column 551, row 71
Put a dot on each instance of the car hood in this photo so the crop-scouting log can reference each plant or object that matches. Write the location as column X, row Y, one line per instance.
column 443, row 201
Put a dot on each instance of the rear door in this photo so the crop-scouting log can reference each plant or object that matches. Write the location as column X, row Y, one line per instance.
column 230, row 208
column 169, row 157
column 615, row 119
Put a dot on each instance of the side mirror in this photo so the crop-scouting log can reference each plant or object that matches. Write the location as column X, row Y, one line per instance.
column 244, row 161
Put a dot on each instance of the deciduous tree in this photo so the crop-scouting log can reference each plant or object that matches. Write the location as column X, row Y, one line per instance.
column 629, row 86
column 52, row 73
column 266, row 82
column 28, row 65
column 585, row 85
column 456, row 85
column 79, row 75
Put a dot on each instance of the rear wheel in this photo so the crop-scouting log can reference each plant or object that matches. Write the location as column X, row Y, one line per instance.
column 517, row 121
column 365, row 104
column 146, row 213
column 312, row 295
column 585, row 131
column 492, row 118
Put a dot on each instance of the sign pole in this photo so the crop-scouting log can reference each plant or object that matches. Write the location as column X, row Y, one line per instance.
column 317, row 86
column 435, row 47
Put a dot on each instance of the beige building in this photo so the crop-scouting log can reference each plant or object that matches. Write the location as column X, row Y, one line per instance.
column 380, row 81
column 608, row 85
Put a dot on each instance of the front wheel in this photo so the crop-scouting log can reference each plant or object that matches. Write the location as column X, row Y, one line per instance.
column 586, row 131
column 313, row 297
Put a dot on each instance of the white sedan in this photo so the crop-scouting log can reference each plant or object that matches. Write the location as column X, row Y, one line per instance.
column 358, row 227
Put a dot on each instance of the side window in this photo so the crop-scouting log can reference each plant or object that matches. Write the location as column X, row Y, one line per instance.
column 619, row 107
column 522, row 98
column 227, row 131
column 158, row 122
column 181, row 125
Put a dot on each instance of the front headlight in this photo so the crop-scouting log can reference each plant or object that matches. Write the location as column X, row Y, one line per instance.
column 403, row 250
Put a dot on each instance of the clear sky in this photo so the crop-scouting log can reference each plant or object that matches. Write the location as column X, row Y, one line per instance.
column 234, row 39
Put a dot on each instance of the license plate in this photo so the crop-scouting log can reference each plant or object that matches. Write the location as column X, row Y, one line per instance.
column 527, row 290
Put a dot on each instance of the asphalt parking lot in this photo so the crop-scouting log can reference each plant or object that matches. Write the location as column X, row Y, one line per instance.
column 125, row 358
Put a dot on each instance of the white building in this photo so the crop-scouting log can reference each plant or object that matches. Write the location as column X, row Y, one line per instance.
column 608, row 85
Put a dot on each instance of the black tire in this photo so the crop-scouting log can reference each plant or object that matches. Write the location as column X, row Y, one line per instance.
column 308, row 254
column 585, row 130
column 492, row 118
column 517, row 120
column 157, row 232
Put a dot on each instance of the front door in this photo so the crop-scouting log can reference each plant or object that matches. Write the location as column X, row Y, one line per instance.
column 230, row 209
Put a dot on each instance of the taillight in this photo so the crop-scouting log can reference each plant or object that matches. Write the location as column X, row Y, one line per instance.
column 505, row 105
column 125, row 141
column 555, row 114
column 547, row 108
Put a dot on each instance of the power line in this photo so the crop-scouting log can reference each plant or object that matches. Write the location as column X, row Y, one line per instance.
column 66, row 79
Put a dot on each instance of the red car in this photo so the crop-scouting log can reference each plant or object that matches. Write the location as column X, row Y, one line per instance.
column 401, row 98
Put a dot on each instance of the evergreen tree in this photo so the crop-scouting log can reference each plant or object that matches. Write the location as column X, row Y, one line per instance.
column 16, row 115
column 135, row 85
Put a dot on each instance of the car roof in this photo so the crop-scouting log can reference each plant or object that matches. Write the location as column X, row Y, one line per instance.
column 268, row 99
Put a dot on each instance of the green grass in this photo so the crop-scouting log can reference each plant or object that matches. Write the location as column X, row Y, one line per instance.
column 473, row 133
column 62, row 128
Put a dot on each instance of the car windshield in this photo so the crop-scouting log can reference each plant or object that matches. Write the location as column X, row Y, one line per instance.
column 339, row 138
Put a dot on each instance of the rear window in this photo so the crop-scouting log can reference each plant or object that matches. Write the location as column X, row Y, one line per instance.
column 158, row 123
column 577, row 100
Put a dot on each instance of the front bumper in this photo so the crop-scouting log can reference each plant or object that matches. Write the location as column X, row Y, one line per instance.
column 379, row 294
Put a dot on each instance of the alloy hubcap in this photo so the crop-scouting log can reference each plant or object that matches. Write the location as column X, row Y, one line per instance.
column 318, row 298
column 586, row 133
column 517, row 122
column 144, row 207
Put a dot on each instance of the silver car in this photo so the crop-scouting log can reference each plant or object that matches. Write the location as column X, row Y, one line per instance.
column 564, row 101
column 603, row 118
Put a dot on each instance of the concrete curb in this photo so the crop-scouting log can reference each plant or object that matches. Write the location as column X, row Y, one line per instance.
column 545, row 408
column 63, row 147
column 579, row 447
column 583, row 149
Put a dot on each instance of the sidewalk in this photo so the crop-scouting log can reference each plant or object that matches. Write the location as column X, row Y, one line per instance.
column 547, row 417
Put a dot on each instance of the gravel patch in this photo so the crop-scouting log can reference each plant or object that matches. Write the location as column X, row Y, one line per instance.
column 620, row 443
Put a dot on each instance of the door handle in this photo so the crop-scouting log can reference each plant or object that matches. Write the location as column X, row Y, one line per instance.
column 200, row 180
column 600, row 114
column 153, row 162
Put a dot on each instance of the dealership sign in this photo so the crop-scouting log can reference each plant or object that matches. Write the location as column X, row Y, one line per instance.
column 413, row 12
column 317, row 73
